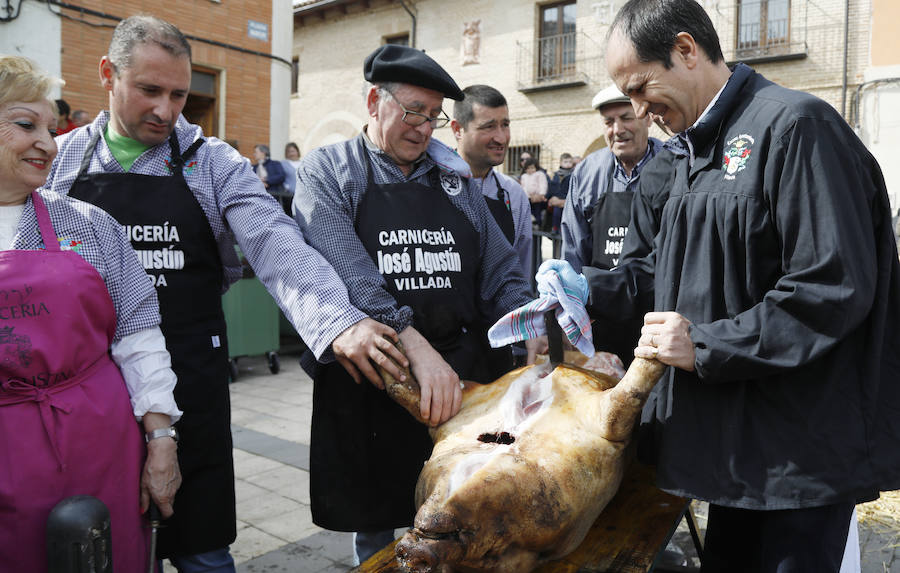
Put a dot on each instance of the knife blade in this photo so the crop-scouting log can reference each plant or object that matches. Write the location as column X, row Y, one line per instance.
column 554, row 337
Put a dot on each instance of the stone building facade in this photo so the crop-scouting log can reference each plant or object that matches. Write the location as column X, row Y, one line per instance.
column 241, row 58
column 548, row 57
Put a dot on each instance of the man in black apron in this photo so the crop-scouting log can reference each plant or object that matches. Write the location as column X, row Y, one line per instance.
column 598, row 207
column 481, row 127
column 163, row 182
column 419, row 253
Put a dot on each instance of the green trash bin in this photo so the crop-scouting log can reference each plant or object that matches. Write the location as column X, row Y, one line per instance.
column 252, row 319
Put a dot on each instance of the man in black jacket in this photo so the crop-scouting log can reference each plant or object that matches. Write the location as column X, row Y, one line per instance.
column 776, row 286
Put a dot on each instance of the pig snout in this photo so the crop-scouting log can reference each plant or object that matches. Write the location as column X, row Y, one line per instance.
column 420, row 554
column 416, row 557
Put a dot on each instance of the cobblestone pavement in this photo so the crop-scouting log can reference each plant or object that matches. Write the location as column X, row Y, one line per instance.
column 271, row 426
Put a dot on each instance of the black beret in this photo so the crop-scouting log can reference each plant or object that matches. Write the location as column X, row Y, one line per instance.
column 393, row 63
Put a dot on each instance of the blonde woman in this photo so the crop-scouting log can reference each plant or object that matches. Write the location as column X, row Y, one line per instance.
column 81, row 353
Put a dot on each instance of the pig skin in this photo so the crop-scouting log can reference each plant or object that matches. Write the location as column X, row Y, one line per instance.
column 510, row 507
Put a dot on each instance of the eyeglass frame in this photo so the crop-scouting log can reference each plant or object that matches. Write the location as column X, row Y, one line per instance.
column 406, row 112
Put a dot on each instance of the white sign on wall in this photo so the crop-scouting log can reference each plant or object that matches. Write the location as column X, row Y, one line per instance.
column 258, row 30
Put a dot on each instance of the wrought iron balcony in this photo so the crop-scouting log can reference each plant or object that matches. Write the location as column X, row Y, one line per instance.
column 766, row 30
column 556, row 61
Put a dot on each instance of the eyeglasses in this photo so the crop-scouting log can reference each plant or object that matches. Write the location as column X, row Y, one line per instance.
column 416, row 119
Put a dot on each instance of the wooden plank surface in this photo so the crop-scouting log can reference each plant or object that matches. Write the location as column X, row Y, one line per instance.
column 626, row 538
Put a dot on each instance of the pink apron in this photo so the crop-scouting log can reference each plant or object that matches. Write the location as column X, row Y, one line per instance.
column 66, row 424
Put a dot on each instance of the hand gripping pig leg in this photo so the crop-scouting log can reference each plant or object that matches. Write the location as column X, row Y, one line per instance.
column 625, row 401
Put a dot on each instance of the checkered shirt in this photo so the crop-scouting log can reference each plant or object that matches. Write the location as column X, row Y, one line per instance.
column 331, row 182
column 239, row 209
column 100, row 240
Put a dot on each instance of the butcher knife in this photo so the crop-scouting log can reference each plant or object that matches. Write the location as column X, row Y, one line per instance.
column 155, row 520
column 554, row 337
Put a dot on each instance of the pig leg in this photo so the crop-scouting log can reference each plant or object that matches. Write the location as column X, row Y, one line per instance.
column 624, row 402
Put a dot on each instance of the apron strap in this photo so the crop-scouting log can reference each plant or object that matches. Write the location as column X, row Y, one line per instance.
column 177, row 161
column 192, row 150
column 611, row 179
column 88, row 153
column 500, row 210
column 433, row 176
column 178, row 158
column 48, row 234
column 370, row 178
column 502, row 194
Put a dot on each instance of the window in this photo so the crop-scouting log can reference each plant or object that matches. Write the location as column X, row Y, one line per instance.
column 511, row 164
column 556, row 42
column 763, row 27
column 295, row 74
column 399, row 39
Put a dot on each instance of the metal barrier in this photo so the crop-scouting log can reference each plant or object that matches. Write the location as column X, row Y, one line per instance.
column 78, row 536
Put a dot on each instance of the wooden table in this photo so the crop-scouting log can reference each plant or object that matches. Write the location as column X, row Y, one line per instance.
column 628, row 537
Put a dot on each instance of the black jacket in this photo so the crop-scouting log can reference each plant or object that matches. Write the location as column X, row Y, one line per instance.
column 776, row 244
column 559, row 184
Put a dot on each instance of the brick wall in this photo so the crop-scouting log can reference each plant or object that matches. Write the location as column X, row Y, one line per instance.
column 331, row 46
column 244, row 78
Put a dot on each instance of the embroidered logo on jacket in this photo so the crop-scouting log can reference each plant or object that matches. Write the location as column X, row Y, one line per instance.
column 737, row 153
column 451, row 183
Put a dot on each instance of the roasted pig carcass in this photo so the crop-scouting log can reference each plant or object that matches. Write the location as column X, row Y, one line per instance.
column 520, row 474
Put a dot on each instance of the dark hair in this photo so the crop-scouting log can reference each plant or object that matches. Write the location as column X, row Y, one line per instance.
column 264, row 149
column 144, row 29
column 652, row 25
column 528, row 163
column 289, row 145
column 565, row 156
column 62, row 107
column 480, row 94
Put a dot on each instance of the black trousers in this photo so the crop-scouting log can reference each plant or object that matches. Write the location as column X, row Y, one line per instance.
column 808, row 540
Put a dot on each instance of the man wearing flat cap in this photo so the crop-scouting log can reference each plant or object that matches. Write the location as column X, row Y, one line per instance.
column 392, row 211
column 597, row 212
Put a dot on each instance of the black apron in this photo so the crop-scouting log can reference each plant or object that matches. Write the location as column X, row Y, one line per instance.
column 501, row 210
column 367, row 451
column 612, row 214
column 499, row 361
column 173, row 238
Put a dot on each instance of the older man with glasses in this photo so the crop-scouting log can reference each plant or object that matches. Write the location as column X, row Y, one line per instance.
column 392, row 210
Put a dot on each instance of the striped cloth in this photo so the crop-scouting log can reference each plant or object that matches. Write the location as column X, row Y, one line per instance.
column 559, row 289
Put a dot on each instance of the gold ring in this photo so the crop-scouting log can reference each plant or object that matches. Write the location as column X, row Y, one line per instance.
column 655, row 352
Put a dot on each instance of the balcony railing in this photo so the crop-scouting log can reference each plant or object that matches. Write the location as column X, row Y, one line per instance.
column 556, row 61
column 767, row 30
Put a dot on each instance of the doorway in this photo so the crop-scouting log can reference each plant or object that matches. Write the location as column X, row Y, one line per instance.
column 202, row 106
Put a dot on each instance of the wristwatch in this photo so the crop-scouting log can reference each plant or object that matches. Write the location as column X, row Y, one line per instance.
column 169, row 432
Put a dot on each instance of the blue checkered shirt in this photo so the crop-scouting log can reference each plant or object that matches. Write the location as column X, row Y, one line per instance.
column 239, row 209
column 100, row 240
column 331, row 182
